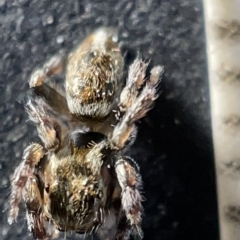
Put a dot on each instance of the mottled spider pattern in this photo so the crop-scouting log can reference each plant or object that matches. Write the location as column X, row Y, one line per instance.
column 78, row 179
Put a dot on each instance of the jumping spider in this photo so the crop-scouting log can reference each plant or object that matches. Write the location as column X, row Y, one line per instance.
column 78, row 179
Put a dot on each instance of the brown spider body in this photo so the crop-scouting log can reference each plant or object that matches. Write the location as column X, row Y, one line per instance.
column 78, row 179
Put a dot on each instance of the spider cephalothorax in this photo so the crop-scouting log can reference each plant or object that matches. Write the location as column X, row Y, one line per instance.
column 78, row 179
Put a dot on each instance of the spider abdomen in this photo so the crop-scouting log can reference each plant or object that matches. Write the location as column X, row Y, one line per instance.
column 94, row 71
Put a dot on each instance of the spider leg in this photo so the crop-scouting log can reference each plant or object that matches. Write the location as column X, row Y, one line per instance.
column 94, row 158
column 37, row 82
column 34, row 201
column 48, row 128
column 36, row 225
column 137, row 107
column 33, row 198
column 130, row 182
column 31, row 157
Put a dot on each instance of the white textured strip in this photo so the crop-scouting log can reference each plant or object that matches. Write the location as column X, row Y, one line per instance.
column 222, row 22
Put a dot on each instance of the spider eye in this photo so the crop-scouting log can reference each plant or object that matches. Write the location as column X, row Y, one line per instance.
column 82, row 139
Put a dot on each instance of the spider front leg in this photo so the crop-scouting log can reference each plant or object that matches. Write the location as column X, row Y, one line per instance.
column 37, row 82
column 31, row 157
column 130, row 182
column 139, row 103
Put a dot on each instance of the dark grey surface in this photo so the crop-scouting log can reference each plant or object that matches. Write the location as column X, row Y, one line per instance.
column 174, row 146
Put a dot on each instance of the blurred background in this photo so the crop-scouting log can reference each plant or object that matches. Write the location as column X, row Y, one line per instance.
column 174, row 145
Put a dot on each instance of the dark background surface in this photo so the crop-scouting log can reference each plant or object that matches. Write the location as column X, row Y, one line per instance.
column 174, row 145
